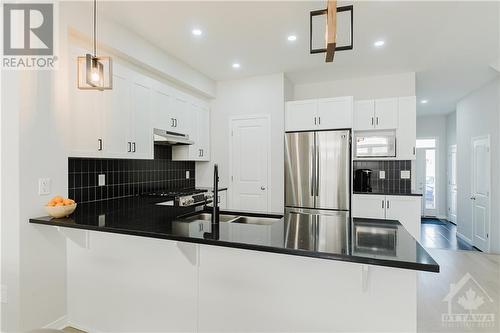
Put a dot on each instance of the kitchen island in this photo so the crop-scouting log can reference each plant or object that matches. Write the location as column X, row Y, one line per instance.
column 270, row 276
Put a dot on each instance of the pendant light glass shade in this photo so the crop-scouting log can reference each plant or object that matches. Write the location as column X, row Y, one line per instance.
column 95, row 72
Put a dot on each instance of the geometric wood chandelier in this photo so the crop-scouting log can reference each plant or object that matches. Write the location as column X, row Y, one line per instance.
column 331, row 30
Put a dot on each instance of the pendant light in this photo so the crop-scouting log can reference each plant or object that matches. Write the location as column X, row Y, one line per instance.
column 95, row 73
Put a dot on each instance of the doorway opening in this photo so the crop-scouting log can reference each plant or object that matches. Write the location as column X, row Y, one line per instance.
column 427, row 171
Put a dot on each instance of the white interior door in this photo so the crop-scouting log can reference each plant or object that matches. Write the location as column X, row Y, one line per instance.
column 250, row 139
column 452, row 183
column 480, row 197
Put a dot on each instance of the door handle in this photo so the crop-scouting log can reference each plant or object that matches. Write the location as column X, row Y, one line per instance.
column 202, row 153
column 314, row 120
column 388, row 204
column 372, row 121
column 383, row 201
column 263, row 188
column 99, row 144
column 175, row 121
column 377, row 121
column 133, row 147
column 129, row 147
column 313, row 169
column 319, row 120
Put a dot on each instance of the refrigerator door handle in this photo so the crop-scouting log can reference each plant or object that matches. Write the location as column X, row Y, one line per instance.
column 313, row 170
column 317, row 167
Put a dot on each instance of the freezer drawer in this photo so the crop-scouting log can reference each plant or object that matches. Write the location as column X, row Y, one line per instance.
column 317, row 230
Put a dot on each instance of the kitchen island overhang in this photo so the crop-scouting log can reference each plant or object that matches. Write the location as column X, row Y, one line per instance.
column 386, row 242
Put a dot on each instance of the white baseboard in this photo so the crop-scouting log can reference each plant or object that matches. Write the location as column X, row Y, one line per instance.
column 467, row 239
column 58, row 323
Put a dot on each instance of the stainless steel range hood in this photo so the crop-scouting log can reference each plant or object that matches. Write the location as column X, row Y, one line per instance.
column 163, row 137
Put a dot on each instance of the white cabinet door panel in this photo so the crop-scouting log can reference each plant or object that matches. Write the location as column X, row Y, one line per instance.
column 301, row 115
column 405, row 209
column 117, row 117
column 364, row 115
column 141, row 129
column 406, row 133
column 335, row 113
column 386, row 113
column 369, row 206
column 179, row 111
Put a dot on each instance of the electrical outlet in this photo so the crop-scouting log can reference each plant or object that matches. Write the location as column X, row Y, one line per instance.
column 101, row 180
column 405, row 174
column 187, row 174
column 43, row 186
column 381, row 174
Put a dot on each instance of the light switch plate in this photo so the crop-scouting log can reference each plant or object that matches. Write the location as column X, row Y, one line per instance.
column 187, row 174
column 405, row 174
column 381, row 174
column 101, row 179
column 43, row 186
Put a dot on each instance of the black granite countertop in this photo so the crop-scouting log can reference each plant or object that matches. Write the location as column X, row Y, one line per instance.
column 390, row 193
column 364, row 241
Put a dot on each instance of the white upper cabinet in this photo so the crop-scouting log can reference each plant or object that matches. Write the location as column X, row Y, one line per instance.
column 406, row 134
column 335, row 112
column 198, row 118
column 141, row 131
column 301, row 115
column 380, row 114
column 364, row 115
column 318, row 114
column 118, row 123
column 386, row 113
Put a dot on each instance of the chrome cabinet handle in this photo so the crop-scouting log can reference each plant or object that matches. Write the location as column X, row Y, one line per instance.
column 377, row 121
column 173, row 122
column 319, row 120
column 99, row 144
column 388, row 204
column 263, row 188
column 129, row 147
column 473, row 198
column 383, row 201
column 133, row 147
column 372, row 121
column 314, row 120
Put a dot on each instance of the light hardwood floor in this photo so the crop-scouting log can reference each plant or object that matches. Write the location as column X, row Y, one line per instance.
column 433, row 288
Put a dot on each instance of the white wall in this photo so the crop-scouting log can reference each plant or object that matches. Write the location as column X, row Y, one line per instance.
column 478, row 114
column 361, row 88
column 435, row 127
column 263, row 95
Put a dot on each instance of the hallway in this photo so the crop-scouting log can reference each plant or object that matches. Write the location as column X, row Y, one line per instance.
column 441, row 234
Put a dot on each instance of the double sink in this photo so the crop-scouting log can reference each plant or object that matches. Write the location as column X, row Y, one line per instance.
column 229, row 218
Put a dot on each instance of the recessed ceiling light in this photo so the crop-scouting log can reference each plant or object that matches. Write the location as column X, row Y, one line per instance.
column 379, row 43
column 197, row 32
column 424, row 101
column 236, row 65
column 292, row 38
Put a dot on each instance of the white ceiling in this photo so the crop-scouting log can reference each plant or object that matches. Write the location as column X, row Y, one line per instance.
column 450, row 45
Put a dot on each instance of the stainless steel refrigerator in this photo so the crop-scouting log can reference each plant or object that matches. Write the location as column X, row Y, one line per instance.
column 317, row 189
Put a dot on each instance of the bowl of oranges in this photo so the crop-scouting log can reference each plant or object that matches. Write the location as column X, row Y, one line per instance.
column 60, row 207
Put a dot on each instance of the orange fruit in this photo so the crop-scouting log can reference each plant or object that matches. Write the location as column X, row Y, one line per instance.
column 68, row 202
column 57, row 199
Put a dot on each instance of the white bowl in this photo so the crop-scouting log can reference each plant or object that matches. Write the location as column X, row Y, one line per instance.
column 60, row 211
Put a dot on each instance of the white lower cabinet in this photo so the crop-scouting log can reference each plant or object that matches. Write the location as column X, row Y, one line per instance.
column 406, row 209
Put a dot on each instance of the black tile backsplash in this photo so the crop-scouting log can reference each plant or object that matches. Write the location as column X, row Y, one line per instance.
column 392, row 184
column 127, row 177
